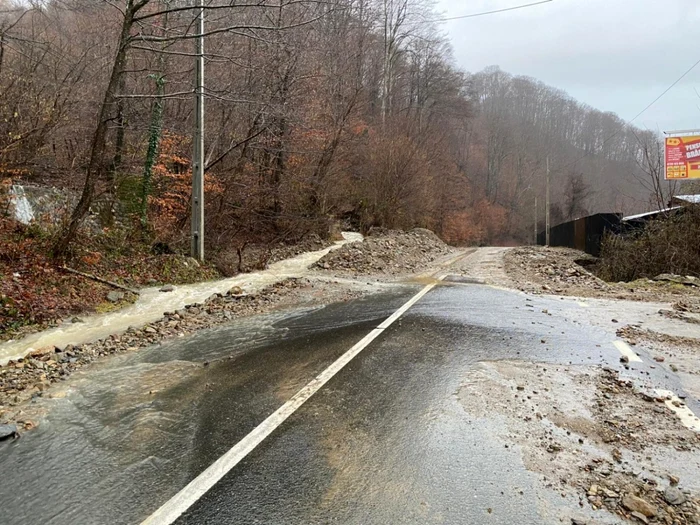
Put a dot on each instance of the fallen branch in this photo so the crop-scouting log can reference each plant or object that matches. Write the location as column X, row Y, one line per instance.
column 99, row 279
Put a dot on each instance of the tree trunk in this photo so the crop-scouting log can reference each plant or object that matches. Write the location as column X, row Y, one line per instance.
column 121, row 135
column 96, row 167
column 154, row 134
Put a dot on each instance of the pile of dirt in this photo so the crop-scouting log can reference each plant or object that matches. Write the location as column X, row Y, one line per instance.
column 537, row 269
column 564, row 271
column 25, row 378
column 387, row 252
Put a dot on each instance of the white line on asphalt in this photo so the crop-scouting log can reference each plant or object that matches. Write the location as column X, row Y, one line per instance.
column 188, row 496
column 398, row 313
column 686, row 415
column 627, row 351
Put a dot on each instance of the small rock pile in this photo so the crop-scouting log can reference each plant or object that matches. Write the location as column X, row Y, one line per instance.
column 640, row 501
column 387, row 252
column 30, row 376
column 550, row 269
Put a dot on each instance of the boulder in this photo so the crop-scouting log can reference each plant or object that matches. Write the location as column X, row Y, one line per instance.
column 115, row 296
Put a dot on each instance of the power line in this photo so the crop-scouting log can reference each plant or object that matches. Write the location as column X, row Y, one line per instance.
column 669, row 88
column 494, row 11
column 629, row 122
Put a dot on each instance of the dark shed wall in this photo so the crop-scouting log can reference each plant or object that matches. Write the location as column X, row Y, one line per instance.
column 585, row 234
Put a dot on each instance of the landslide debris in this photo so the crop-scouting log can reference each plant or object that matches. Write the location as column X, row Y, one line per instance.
column 599, row 440
column 564, row 271
column 638, row 500
column 537, row 269
column 387, row 252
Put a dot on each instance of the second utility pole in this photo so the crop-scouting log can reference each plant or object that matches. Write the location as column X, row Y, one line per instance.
column 535, row 238
column 546, row 204
column 198, row 147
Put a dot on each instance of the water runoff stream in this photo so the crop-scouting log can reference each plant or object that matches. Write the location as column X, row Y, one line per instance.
column 152, row 303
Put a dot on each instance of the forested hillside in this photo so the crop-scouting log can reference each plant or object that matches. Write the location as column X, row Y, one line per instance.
column 315, row 111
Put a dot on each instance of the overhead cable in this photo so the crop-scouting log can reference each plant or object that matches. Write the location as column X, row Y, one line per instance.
column 473, row 15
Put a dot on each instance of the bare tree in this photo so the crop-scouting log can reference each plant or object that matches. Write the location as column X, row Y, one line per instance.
column 576, row 196
column 652, row 177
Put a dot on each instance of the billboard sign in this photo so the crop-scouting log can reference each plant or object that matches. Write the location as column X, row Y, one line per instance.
column 683, row 157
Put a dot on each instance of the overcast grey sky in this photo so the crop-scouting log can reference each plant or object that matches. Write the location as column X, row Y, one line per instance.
column 615, row 55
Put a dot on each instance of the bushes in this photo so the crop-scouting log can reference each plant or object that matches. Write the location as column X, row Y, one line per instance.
column 668, row 245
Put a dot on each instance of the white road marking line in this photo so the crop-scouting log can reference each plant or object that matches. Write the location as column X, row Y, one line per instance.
column 627, row 351
column 188, row 496
column 684, row 413
column 398, row 313
column 583, row 305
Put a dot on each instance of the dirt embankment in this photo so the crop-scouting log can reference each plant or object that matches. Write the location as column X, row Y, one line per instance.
column 563, row 271
column 387, row 252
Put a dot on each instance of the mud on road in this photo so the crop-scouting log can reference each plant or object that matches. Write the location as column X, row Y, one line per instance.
column 602, row 439
column 593, row 437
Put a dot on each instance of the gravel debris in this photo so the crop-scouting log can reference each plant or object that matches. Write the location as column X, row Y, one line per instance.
column 609, row 456
column 563, row 271
column 387, row 252
column 540, row 269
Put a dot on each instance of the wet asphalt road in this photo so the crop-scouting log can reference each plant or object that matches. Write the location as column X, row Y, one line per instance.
column 385, row 441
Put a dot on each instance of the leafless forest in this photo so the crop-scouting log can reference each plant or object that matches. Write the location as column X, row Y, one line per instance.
column 315, row 111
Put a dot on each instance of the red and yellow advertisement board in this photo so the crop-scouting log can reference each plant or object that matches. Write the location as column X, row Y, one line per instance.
column 683, row 157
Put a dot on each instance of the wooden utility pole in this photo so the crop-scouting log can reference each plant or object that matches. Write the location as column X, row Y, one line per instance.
column 198, row 146
column 546, row 205
column 535, row 238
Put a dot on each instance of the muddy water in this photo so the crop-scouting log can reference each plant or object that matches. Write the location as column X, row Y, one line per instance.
column 118, row 441
column 152, row 304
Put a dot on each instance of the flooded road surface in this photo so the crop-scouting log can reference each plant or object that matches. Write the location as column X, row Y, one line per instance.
column 152, row 303
column 120, row 438
column 384, row 441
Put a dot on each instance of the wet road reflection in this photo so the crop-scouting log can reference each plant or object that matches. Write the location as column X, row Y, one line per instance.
column 385, row 441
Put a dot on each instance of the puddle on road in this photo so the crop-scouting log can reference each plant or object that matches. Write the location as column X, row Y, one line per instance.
column 152, row 303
